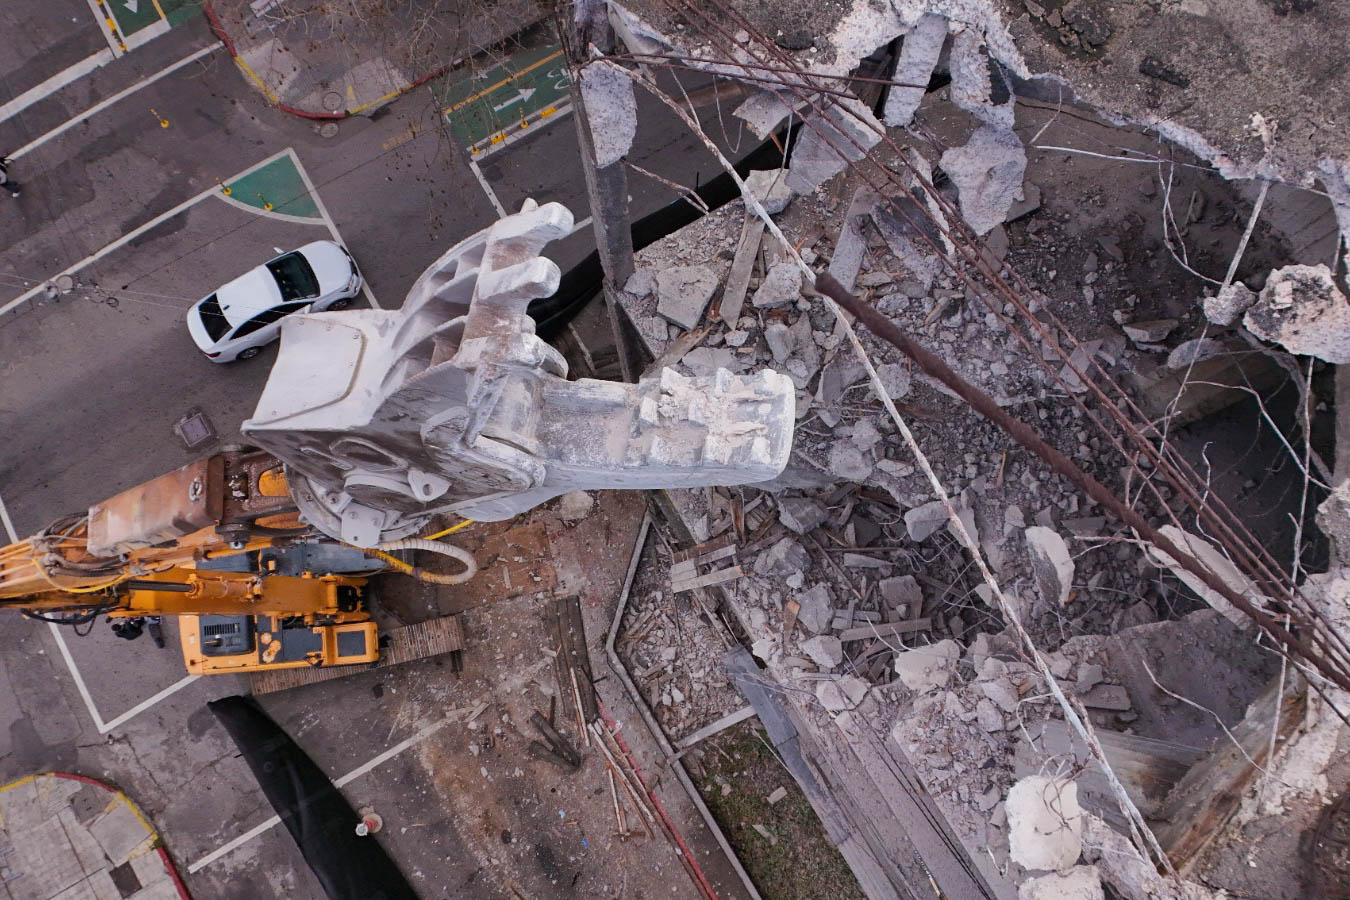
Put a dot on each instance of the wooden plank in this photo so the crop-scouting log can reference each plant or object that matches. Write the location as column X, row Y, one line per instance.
column 707, row 731
column 738, row 280
column 703, row 549
column 1206, row 798
column 406, row 644
column 883, row 630
column 718, row 577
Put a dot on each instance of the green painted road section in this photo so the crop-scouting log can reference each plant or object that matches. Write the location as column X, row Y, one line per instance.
column 479, row 106
column 179, row 11
column 278, row 183
column 133, row 15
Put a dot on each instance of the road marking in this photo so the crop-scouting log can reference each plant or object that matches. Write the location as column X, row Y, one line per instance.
column 132, row 5
column 328, row 220
column 147, row 703
column 108, row 27
column 105, row 727
column 505, row 81
column 55, row 83
column 487, row 189
column 337, row 783
column 133, row 234
column 104, row 104
column 9, row 525
column 522, row 95
column 503, row 139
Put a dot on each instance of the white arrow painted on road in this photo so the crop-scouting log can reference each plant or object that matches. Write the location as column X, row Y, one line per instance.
column 522, row 94
column 132, row 5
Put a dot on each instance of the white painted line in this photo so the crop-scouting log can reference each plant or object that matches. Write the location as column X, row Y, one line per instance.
column 579, row 225
column 328, row 220
column 147, row 34
column 337, row 782
column 271, row 214
column 137, row 232
column 147, row 703
column 99, row 254
column 487, row 189
column 109, row 101
column 9, row 525
column 102, row 21
column 55, row 83
column 75, row 674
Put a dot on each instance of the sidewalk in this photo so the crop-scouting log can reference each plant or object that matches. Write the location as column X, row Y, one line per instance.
column 71, row 837
column 314, row 64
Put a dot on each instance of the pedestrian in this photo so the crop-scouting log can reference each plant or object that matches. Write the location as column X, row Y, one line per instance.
column 10, row 185
column 128, row 629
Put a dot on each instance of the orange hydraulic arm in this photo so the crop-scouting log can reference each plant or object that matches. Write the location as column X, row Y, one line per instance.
column 134, row 554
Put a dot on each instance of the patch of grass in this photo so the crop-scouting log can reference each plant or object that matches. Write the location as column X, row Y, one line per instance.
column 738, row 773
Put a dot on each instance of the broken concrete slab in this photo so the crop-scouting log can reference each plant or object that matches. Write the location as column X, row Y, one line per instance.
column 575, row 506
column 683, row 293
column 843, row 134
column 783, row 558
column 825, row 650
column 1045, row 828
column 988, row 171
column 801, row 514
column 928, row 668
column 972, row 87
column 1078, row 883
column 1302, row 309
column 779, row 338
column 1051, row 564
column 770, row 188
column 922, row 521
column 1219, row 564
column 611, row 109
column 816, row 612
column 1231, row 302
column 780, row 287
column 1150, row 331
column 1195, row 351
column 842, row 694
column 902, row 592
column 895, row 378
column 849, row 463
column 918, row 56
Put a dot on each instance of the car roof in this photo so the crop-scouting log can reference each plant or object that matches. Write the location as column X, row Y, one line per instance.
column 246, row 296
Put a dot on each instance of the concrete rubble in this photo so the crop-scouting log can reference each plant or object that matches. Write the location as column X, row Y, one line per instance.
column 862, row 601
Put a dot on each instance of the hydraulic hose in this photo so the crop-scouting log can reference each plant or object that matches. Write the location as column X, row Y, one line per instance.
column 464, row 557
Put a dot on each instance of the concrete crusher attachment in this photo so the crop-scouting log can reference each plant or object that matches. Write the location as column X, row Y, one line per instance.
column 385, row 418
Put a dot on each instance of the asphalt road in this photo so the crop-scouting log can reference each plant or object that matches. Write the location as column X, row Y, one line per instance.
column 122, row 165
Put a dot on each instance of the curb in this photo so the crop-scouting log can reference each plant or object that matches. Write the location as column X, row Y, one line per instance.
column 121, row 795
column 218, row 29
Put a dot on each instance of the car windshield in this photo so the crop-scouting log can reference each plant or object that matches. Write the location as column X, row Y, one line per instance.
column 213, row 320
column 294, row 277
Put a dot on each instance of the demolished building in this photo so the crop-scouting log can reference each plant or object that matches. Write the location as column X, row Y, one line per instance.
column 1117, row 226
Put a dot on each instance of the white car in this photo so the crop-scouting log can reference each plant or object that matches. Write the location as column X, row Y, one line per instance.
column 245, row 315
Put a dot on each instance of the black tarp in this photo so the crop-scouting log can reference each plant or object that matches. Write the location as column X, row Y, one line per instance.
column 316, row 814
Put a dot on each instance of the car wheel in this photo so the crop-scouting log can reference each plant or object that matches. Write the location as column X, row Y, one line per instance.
column 249, row 353
column 340, row 303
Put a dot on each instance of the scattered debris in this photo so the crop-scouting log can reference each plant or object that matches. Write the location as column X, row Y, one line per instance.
column 1228, row 305
column 927, row 668
column 988, row 171
column 575, row 506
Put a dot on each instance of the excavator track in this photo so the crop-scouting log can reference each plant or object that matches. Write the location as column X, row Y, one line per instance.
column 406, row 644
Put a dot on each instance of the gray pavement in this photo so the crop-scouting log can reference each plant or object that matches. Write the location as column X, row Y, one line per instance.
column 92, row 382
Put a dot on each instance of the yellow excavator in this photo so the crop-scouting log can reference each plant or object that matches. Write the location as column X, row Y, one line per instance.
column 153, row 551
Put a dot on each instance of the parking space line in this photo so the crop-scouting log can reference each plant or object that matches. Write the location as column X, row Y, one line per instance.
column 337, row 782
column 109, row 101
column 75, row 674
column 148, row 702
column 9, row 526
column 328, row 220
column 55, row 83
column 487, row 189
column 139, row 230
